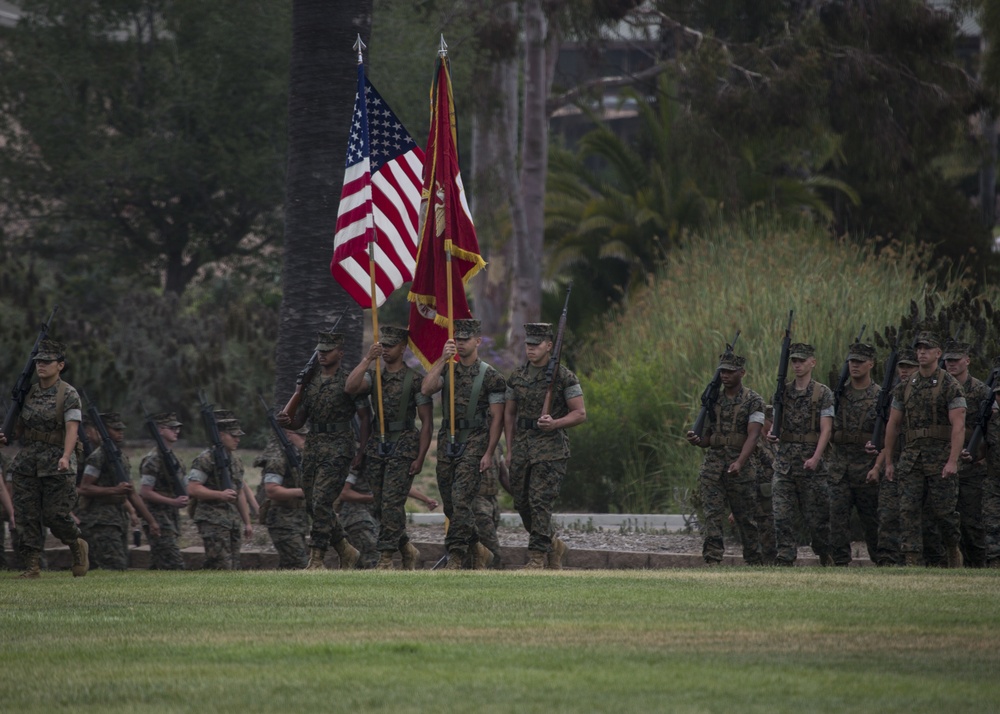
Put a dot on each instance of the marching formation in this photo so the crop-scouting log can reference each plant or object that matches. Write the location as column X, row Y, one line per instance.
column 75, row 481
column 917, row 458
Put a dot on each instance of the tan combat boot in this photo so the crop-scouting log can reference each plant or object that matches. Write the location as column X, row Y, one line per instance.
column 32, row 566
column 410, row 556
column 384, row 561
column 349, row 555
column 316, row 556
column 455, row 558
column 81, row 563
column 554, row 559
column 536, row 560
column 955, row 559
column 482, row 558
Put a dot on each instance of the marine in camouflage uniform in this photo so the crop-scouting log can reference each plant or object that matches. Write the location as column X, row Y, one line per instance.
column 849, row 463
column 44, row 470
column 888, row 552
column 477, row 433
column 389, row 469
column 104, row 513
column 221, row 514
column 330, row 450
column 283, row 504
column 971, row 476
column 157, row 488
column 537, row 441
column 357, row 515
column 931, row 408
column 801, row 486
column 727, row 480
column 991, row 486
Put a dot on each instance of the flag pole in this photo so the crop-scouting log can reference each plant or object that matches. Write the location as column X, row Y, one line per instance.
column 443, row 57
column 359, row 45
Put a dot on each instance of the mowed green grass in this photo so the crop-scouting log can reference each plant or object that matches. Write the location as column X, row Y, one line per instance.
column 720, row 640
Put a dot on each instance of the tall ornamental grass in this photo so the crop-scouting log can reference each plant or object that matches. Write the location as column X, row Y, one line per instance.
column 645, row 373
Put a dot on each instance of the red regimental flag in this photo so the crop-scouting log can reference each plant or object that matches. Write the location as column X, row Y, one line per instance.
column 447, row 227
column 380, row 201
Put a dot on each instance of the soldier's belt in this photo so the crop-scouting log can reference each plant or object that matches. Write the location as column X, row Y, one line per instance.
column 473, row 423
column 329, row 427
column 396, row 426
column 44, row 437
column 851, row 437
column 523, row 423
column 718, row 441
column 291, row 504
column 940, row 433
column 807, row 437
column 107, row 500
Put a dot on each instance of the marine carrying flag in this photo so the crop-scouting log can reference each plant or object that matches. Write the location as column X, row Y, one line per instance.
column 447, row 226
column 380, row 201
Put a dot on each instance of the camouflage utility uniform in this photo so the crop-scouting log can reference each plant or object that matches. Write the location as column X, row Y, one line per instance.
column 389, row 476
column 991, row 490
column 360, row 523
column 538, row 458
column 487, row 510
column 287, row 521
column 971, row 478
column 219, row 522
column 763, row 464
column 796, row 491
column 925, row 403
column 42, row 493
column 164, row 551
column 459, row 479
column 330, row 447
column 722, row 492
column 849, row 466
column 104, row 520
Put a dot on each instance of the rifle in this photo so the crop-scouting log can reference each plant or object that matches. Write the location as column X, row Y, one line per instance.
column 292, row 455
column 552, row 369
column 985, row 412
column 20, row 391
column 711, row 394
column 779, row 392
column 884, row 403
column 845, row 374
column 108, row 447
column 219, row 453
column 305, row 375
column 169, row 460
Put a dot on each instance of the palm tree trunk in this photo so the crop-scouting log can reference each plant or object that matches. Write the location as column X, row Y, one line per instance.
column 320, row 105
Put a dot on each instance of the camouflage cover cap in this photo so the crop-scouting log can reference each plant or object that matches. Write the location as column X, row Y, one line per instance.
column 536, row 333
column 801, row 350
column 49, row 350
column 907, row 355
column 166, row 419
column 228, row 423
column 326, row 341
column 861, row 351
column 956, row 350
column 112, row 420
column 391, row 336
column 731, row 361
column 927, row 338
column 467, row 328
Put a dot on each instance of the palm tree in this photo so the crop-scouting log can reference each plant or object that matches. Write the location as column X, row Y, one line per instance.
column 321, row 102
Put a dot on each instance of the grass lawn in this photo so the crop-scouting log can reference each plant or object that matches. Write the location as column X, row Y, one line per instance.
column 726, row 640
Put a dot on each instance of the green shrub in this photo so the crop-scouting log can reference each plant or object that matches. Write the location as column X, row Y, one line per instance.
column 643, row 375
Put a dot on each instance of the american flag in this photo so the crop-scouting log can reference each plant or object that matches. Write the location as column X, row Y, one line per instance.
column 380, row 201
